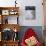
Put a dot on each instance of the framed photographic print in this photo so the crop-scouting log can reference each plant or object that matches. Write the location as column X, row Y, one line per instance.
column 5, row 12
column 30, row 12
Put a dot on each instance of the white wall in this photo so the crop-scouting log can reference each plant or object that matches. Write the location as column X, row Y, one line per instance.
column 7, row 3
column 39, row 13
column 22, row 3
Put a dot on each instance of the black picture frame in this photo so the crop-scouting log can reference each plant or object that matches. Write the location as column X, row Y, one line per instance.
column 30, row 12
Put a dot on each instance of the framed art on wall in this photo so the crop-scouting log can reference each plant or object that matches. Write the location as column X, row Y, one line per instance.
column 30, row 12
column 5, row 12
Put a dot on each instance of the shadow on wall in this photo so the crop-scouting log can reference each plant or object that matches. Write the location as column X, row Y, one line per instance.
column 37, row 29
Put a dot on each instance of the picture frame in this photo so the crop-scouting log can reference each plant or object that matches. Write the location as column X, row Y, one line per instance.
column 30, row 12
column 5, row 12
